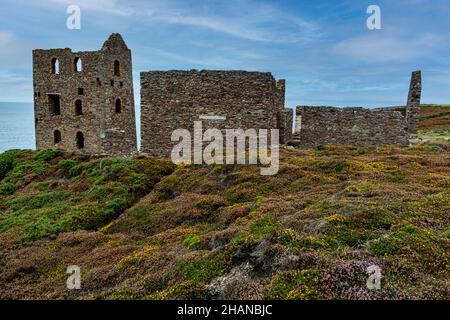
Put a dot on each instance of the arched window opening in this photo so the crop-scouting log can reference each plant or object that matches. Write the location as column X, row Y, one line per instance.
column 77, row 66
column 57, row 136
column 78, row 107
column 116, row 68
column 80, row 140
column 118, row 106
column 55, row 66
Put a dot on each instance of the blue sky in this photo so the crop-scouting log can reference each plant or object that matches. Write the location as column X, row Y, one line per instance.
column 322, row 48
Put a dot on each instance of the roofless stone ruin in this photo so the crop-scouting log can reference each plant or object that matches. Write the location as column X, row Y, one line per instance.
column 84, row 103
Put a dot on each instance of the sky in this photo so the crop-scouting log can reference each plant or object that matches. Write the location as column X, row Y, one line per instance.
column 322, row 48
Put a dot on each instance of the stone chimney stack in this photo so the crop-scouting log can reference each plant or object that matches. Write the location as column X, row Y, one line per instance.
column 413, row 104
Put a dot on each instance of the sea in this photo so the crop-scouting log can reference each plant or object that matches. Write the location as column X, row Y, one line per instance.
column 16, row 126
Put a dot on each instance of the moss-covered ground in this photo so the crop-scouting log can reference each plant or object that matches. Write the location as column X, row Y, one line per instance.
column 145, row 229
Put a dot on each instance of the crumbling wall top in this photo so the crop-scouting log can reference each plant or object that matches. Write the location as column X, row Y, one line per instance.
column 208, row 73
column 115, row 42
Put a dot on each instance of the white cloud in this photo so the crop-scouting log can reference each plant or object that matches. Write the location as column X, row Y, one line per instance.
column 379, row 47
column 214, row 24
column 106, row 6
column 247, row 20
column 214, row 62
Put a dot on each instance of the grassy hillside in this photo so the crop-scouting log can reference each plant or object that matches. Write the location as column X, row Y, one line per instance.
column 435, row 123
column 143, row 229
column 434, row 117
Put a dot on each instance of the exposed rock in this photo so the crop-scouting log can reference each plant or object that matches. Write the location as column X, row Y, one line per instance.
column 237, row 284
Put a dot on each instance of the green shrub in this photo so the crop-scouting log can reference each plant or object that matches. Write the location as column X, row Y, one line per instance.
column 6, row 165
column 46, row 155
column 88, row 216
column 7, row 162
column 333, row 166
column 67, row 164
column 33, row 201
column 41, row 186
column 98, row 192
column 45, row 226
column 191, row 241
column 413, row 246
column 24, row 167
column 95, row 215
column 397, row 176
column 117, row 204
column 202, row 270
column 75, row 171
column 345, row 235
column 295, row 285
column 7, row 189
column 265, row 227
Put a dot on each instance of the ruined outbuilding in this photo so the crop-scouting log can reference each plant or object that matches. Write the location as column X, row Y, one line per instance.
column 318, row 126
column 84, row 100
column 84, row 103
column 244, row 100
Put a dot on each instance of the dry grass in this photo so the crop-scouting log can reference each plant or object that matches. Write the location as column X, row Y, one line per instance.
column 206, row 232
column 434, row 117
column 143, row 229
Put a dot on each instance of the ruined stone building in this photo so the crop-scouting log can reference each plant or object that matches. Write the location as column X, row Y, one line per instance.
column 220, row 99
column 84, row 100
column 318, row 126
column 84, row 103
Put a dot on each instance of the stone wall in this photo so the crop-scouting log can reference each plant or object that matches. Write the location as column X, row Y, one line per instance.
column 350, row 126
column 90, row 109
column 220, row 99
column 87, row 98
column 317, row 126
column 285, row 123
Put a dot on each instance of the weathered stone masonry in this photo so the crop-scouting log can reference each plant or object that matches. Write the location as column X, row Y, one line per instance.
column 413, row 104
column 84, row 103
column 316, row 126
column 84, row 100
column 220, row 99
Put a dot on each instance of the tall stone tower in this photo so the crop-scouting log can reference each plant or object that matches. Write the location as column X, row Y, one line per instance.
column 83, row 101
column 413, row 104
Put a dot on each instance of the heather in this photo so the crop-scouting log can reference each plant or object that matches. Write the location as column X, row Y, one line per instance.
column 142, row 228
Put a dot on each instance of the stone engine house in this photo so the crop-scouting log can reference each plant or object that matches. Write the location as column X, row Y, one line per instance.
column 84, row 101
column 220, row 99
